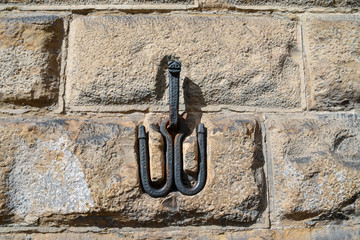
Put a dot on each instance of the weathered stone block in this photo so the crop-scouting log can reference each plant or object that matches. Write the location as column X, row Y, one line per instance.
column 96, row 2
column 29, row 58
column 332, row 45
column 300, row 3
column 85, row 172
column 334, row 232
column 315, row 162
column 121, row 61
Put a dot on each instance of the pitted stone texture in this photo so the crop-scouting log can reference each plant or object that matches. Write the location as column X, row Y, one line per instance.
column 332, row 45
column 316, row 164
column 29, row 58
column 334, row 232
column 226, row 60
column 300, row 3
column 45, row 176
column 48, row 165
column 235, row 172
column 85, row 172
column 96, row 2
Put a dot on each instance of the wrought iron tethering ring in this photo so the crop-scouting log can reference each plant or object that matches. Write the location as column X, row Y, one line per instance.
column 173, row 157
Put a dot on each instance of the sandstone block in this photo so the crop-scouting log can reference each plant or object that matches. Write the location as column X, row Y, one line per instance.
column 85, row 172
column 298, row 3
column 334, row 232
column 117, row 63
column 315, row 162
column 96, row 2
column 29, row 59
column 332, row 45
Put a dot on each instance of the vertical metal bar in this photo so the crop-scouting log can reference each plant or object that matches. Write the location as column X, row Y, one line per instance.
column 174, row 68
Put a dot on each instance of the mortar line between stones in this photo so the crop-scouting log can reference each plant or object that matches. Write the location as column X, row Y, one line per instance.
column 269, row 170
column 303, row 78
column 220, row 110
column 64, row 53
column 66, row 50
column 151, row 8
column 109, row 114
column 95, row 229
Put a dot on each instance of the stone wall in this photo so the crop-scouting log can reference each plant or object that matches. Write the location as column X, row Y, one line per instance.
column 276, row 84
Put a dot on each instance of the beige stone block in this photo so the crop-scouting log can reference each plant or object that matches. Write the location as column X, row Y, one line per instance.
column 334, row 232
column 85, row 172
column 50, row 163
column 30, row 58
column 297, row 3
column 332, row 46
column 96, row 2
column 315, row 165
column 119, row 63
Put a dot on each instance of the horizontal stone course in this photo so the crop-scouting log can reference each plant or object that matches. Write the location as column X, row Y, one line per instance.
column 297, row 3
column 332, row 46
column 334, row 232
column 95, row 2
column 30, row 58
column 84, row 172
column 226, row 60
column 315, row 164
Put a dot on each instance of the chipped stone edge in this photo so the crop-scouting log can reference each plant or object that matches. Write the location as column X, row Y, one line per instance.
column 206, row 5
column 63, row 61
column 5, row 7
column 303, row 76
column 182, row 108
column 263, row 221
column 267, row 170
column 270, row 173
column 297, row 9
column 170, row 230
column 206, row 229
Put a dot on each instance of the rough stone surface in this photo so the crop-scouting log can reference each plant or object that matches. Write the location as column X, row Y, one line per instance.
column 301, row 3
column 50, row 163
column 332, row 44
column 197, row 233
column 95, row 2
column 29, row 58
column 233, row 60
column 85, row 172
column 315, row 162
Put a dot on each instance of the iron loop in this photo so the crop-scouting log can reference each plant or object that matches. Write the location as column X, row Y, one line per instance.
column 144, row 162
column 178, row 164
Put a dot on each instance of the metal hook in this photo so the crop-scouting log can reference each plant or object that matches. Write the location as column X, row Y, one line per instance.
column 173, row 160
column 178, row 165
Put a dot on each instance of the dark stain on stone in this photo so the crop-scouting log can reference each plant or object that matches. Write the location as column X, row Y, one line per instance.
column 301, row 159
column 170, row 203
column 220, row 128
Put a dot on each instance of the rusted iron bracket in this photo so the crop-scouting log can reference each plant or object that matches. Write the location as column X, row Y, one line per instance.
column 173, row 130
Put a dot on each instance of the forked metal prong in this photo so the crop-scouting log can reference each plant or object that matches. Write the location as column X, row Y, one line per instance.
column 145, row 166
column 178, row 164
